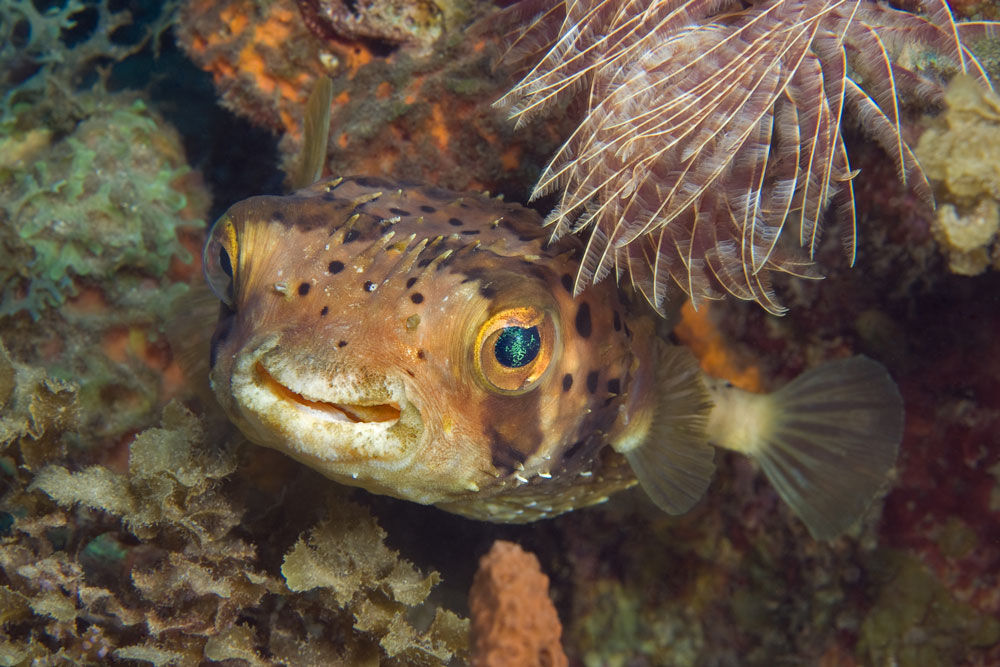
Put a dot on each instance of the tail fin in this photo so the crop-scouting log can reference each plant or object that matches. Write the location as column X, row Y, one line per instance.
column 828, row 440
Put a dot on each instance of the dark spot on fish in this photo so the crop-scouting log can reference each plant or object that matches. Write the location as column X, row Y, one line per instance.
column 627, row 331
column 417, row 297
column 470, row 232
column 617, row 321
column 488, row 292
column 615, row 386
column 369, row 286
column 410, row 282
column 574, row 449
column 567, row 282
column 373, row 182
column 455, row 222
column 425, row 261
column 538, row 272
column 342, row 343
column 438, row 193
column 351, row 236
column 567, row 381
column 427, row 209
column 421, row 354
column 335, row 267
column 400, row 212
column 325, row 311
column 504, row 456
column 328, row 196
column 583, row 324
column 304, row 289
column 526, row 237
column 473, row 274
column 592, row 381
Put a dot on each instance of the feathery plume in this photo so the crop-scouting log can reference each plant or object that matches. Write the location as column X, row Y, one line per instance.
column 711, row 129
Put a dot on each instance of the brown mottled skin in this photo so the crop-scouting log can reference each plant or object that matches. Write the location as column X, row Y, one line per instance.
column 350, row 339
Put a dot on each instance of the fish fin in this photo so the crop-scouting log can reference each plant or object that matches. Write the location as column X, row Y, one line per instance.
column 674, row 462
column 829, row 440
column 315, row 135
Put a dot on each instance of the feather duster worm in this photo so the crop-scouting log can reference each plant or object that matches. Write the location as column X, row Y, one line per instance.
column 711, row 128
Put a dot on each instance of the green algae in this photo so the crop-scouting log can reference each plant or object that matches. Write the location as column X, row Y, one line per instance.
column 104, row 202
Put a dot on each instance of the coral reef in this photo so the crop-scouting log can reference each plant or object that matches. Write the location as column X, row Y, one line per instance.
column 400, row 112
column 55, row 45
column 143, row 534
column 513, row 620
column 959, row 152
column 100, row 213
column 158, row 564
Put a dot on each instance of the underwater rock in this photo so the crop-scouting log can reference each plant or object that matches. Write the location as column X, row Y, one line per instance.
column 514, row 623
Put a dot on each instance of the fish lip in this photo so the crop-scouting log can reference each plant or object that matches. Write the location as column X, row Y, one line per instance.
column 363, row 413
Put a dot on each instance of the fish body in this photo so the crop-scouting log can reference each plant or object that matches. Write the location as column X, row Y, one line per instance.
column 427, row 345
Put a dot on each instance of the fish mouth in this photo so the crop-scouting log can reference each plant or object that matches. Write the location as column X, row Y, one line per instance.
column 343, row 412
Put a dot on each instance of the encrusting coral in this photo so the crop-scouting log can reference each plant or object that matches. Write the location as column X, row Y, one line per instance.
column 710, row 132
column 514, row 623
column 959, row 152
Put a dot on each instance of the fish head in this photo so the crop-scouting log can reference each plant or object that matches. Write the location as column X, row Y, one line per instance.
column 413, row 342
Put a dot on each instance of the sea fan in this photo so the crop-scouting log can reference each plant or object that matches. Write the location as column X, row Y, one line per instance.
column 709, row 127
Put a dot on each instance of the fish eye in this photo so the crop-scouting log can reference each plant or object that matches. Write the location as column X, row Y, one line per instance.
column 517, row 346
column 218, row 259
column 514, row 348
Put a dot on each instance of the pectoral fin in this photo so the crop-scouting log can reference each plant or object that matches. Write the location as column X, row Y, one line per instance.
column 674, row 462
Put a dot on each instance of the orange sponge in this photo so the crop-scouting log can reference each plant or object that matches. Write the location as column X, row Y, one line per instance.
column 514, row 623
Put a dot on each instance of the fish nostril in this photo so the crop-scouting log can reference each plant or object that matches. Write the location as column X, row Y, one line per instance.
column 365, row 414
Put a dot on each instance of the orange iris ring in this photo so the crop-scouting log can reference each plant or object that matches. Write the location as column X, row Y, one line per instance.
column 514, row 381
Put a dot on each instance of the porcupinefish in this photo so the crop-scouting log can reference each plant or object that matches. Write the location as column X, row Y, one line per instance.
column 427, row 345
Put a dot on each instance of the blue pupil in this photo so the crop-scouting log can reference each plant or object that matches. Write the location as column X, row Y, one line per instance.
column 517, row 346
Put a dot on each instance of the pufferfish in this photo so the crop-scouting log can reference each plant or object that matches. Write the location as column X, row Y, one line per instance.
column 427, row 345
